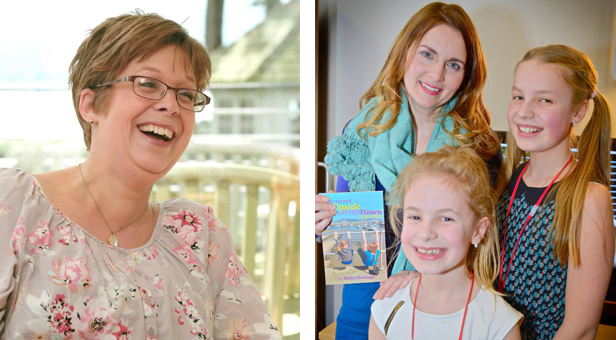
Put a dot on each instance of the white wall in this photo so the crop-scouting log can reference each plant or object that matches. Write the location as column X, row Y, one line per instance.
column 361, row 32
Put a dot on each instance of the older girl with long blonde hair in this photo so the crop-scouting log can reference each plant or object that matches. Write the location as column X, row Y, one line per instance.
column 555, row 216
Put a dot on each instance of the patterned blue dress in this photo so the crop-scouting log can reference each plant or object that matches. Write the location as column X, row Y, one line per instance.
column 537, row 282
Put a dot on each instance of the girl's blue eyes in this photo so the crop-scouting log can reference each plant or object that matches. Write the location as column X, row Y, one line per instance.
column 417, row 218
column 543, row 100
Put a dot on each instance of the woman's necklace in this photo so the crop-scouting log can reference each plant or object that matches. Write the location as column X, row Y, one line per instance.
column 465, row 308
column 112, row 240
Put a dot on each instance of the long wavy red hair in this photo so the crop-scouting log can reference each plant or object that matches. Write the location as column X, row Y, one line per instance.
column 469, row 113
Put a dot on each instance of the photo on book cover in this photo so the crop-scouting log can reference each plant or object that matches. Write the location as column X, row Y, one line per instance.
column 354, row 243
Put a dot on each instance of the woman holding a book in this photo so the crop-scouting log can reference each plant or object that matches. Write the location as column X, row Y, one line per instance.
column 428, row 94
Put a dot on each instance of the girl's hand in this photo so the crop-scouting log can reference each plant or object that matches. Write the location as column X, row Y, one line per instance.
column 393, row 283
column 323, row 213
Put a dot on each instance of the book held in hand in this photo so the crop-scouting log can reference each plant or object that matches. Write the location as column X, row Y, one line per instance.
column 354, row 243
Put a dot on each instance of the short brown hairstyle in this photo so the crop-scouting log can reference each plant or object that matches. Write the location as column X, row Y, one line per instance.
column 116, row 42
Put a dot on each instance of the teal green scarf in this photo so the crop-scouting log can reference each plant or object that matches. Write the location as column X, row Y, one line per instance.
column 385, row 155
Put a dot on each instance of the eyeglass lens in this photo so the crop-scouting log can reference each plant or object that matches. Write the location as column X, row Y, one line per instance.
column 153, row 89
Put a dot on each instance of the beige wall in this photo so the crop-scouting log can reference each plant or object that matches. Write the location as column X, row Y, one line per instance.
column 363, row 30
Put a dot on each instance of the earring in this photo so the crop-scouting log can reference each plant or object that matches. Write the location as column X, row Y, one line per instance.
column 574, row 123
column 475, row 244
column 91, row 121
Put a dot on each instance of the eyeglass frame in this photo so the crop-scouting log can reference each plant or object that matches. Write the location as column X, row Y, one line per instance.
column 134, row 77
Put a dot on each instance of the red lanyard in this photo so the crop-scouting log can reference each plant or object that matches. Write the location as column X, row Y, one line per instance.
column 465, row 308
column 502, row 280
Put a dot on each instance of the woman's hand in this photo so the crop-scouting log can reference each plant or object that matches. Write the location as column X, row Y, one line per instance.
column 323, row 213
column 393, row 283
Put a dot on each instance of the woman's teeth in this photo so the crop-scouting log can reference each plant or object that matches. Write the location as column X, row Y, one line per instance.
column 166, row 134
column 434, row 89
column 430, row 251
column 529, row 130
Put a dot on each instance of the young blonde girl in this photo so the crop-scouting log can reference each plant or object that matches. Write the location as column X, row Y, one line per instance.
column 555, row 217
column 449, row 235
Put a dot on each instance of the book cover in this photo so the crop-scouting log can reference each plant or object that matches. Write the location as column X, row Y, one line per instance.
column 354, row 243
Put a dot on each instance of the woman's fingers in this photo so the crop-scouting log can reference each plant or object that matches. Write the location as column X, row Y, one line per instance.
column 323, row 213
column 322, row 221
column 323, row 206
column 393, row 283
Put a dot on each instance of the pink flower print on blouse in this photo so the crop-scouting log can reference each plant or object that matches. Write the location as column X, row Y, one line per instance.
column 158, row 283
column 18, row 239
column 147, row 254
column 67, row 236
column 188, row 218
column 95, row 318
column 212, row 252
column 186, row 225
column 150, row 253
column 123, row 333
column 234, row 272
column 40, row 238
column 72, row 272
column 238, row 329
column 212, row 223
column 148, row 302
column 185, row 251
column 60, row 315
column 187, row 309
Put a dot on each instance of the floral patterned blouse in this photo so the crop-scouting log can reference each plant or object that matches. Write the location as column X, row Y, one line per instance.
column 59, row 282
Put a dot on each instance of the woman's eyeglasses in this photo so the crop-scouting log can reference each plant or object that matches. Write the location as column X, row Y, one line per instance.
column 150, row 88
